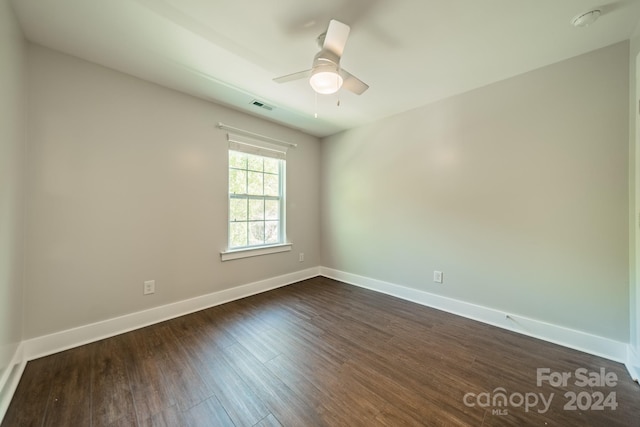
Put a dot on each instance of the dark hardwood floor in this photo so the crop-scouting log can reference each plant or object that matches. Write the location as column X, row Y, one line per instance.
column 321, row 353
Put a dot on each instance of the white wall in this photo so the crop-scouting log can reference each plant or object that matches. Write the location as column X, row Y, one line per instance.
column 127, row 183
column 12, row 153
column 518, row 191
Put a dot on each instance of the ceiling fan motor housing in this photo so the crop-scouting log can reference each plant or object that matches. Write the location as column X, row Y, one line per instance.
column 326, row 58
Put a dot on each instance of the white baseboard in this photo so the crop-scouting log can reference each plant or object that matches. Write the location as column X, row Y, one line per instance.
column 44, row 345
column 10, row 379
column 578, row 340
column 63, row 340
column 633, row 363
column 600, row 346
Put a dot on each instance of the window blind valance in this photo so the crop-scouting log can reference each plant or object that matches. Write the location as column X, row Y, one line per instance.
column 256, row 146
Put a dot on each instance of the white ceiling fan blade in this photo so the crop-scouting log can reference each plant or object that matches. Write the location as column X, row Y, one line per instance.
column 295, row 76
column 352, row 83
column 336, row 37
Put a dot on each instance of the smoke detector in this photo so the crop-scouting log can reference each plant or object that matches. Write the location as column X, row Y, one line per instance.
column 586, row 19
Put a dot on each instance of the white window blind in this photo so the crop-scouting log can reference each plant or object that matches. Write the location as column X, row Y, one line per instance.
column 256, row 146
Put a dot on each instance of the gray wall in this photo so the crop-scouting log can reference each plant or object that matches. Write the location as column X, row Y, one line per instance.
column 12, row 153
column 634, row 193
column 518, row 191
column 127, row 183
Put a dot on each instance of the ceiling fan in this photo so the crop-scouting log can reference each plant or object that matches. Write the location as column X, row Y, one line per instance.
column 325, row 75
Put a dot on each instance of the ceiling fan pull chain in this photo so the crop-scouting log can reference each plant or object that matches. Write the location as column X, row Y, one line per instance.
column 316, row 105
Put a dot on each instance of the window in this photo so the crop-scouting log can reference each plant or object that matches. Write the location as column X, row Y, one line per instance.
column 256, row 194
column 256, row 200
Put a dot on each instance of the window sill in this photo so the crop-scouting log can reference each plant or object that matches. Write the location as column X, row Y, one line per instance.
column 250, row 252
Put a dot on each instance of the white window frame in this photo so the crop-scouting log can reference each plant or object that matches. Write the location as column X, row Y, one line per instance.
column 264, row 149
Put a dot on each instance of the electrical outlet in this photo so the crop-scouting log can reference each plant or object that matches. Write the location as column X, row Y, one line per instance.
column 149, row 287
column 301, row 257
column 437, row 276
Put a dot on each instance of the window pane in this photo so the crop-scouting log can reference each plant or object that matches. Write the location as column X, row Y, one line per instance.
column 271, row 165
column 256, row 210
column 272, row 232
column 271, row 185
column 238, row 210
column 238, row 234
column 255, row 183
column 256, row 163
column 237, row 160
column 256, row 233
column 237, row 181
column 272, row 209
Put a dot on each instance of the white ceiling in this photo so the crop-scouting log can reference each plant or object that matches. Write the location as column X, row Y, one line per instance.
column 411, row 52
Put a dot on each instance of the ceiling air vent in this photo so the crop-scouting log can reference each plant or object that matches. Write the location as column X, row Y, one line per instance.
column 262, row 105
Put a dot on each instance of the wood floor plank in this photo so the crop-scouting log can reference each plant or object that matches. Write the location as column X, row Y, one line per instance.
column 352, row 330
column 129, row 420
column 269, row 421
column 337, row 406
column 70, row 397
column 213, row 331
column 189, row 324
column 408, row 395
column 323, row 352
column 258, row 342
column 33, row 392
column 318, row 352
column 208, row 413
column 285, row 405
column 240, row 402
column 112, row 400
column 143, row 356
column 168, row 417
column 183, row 382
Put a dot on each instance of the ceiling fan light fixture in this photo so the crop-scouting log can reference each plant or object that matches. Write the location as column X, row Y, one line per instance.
column 325, row 81
column 326, row 76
